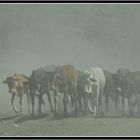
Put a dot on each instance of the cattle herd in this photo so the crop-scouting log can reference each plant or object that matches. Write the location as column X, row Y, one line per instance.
column 87, row 92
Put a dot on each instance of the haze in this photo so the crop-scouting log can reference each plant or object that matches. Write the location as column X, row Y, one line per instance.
column 84, row 35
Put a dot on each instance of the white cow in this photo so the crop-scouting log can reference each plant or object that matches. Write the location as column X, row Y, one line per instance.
column 95, row 87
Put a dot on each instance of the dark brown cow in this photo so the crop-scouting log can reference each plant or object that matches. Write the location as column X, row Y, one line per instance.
column 64, row 80
column 122, row 73
column 129, row 82
column 17, row 85
column 82, row 95
column 110, row 90
column 39, row 85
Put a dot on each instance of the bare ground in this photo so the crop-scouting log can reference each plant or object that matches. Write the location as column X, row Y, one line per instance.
column 47, row 125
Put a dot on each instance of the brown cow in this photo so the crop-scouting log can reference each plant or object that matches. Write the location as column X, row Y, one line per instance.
column 64, row 80
column 17, row 85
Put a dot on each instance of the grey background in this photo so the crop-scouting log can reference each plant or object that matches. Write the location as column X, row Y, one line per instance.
column 84, row 35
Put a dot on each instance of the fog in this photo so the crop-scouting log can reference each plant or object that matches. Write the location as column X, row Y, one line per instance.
column 84, row 35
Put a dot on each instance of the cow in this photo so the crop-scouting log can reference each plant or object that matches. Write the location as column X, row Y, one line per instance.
column 82, row 95
column 95, row 87
column 129, row 83
column 18, row 87
column 39, row 85
column 64, row 80
column 110, row 90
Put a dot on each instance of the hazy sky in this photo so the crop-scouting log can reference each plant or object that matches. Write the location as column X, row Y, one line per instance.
column 85, row 35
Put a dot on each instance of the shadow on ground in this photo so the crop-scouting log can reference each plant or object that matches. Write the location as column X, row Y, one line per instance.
column 8, row 118
column 59, row 116
column 27, row 118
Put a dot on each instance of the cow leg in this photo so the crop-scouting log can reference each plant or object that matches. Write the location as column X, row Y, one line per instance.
column 39, row 103
column 68, row 106
column 49, row 99
column 138, row 103
column 75, row 100
column 123, row 103
column 107, row 103
column 55, row 101
column 80, row 104
column 66, row 101
column 130, row 106
column 97, row 101
column 116, row 104
column 85, row 103
column 33, row 104
column 72, row 99
column 94, row 101
column 95, row 106
column 28, row 102
column 20, row 102
column 101, row 103
column 12, row 102
column 92, row 109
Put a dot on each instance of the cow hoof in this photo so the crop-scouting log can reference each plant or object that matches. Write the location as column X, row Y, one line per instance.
column 65, row 114
column 21, row 113
column 94, row 115
column 55, row 112
column 39, row 112
column 123, row 115
column 76, row 113
column 102, row 114
column 16, row 111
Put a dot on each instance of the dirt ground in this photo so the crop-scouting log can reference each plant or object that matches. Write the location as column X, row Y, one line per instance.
column 48, row 125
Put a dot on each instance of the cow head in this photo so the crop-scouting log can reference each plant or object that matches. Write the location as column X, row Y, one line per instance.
column 88, row 82
column 82, row 81
column 37, row 80
column 11, row 82
column 53, row 78
column 122, row 73
column 117, row 83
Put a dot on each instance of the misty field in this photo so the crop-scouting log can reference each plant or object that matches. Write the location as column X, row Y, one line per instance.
column 48, row 125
